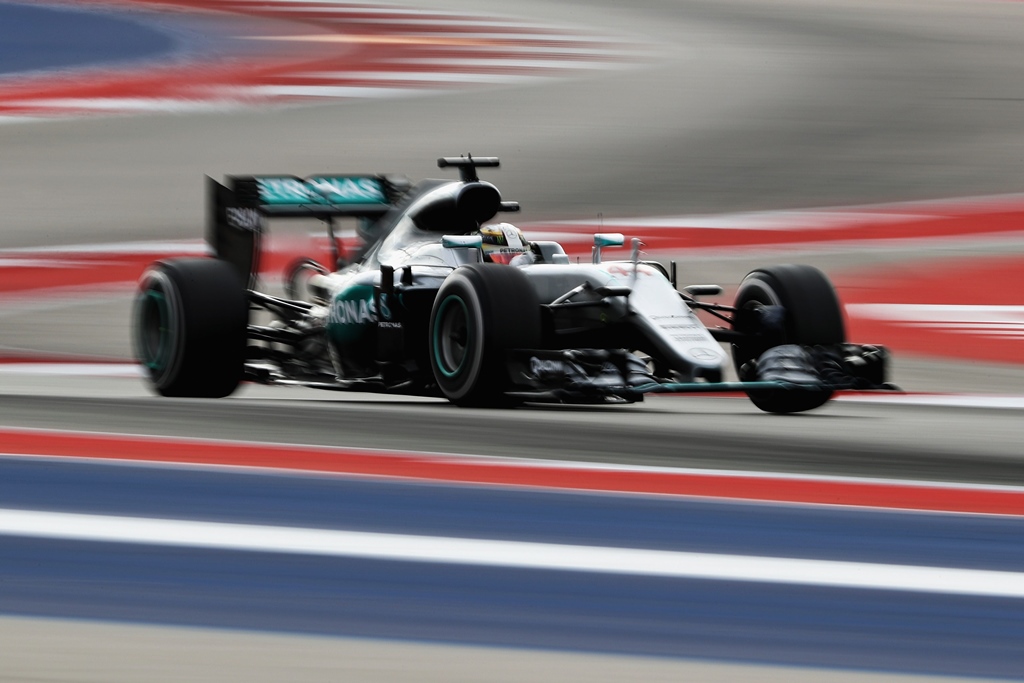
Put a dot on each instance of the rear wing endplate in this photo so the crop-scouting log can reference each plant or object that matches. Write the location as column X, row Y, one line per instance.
column 236, row 210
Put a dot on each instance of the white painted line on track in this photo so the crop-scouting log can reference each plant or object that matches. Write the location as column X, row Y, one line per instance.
column 341, row 8
column 59, row 298
column 414, row 20
column 513, row 50
column 811, row 220
column 34, row 263
column 564, row 38
column 420, row 76
column 509, row 554
column 72, row 369
column 941, row 400
column 155, row 247
column 469, row 73
column 508, row 63
column 975, row 319
column 336, row 91
column 104, row 369
column 131, row 104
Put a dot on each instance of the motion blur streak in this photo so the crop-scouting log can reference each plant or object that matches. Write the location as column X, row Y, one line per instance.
column 955, row 307
column 357, row 556
column 522, row 555
column 712, row 123
column 352, row 51
column 1002, row 500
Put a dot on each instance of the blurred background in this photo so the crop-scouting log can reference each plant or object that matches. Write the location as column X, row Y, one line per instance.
column 882, row 141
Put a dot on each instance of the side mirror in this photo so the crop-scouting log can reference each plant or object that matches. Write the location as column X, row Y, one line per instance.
column 464, row 248
column 606, row 239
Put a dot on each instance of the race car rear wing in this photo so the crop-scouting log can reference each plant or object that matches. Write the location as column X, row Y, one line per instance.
column 236, row 211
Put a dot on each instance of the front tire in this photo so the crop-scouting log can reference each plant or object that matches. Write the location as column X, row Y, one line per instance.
column 190, row 323
column 812, row 316
column 481, row 311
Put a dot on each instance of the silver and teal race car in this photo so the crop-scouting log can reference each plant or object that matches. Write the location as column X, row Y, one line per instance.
column 442, row 300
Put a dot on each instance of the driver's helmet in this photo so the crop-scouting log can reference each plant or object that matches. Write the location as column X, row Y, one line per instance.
column 505, row 243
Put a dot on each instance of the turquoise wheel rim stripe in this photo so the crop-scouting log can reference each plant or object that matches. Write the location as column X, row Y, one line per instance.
column 440, row 324
column 155, row 361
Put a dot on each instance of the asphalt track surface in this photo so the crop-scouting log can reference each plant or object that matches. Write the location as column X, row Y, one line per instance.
column 743, row 105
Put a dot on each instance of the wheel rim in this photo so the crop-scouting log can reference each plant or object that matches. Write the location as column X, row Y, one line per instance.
column 756, row 294
column 453, row 339
column 154, row 330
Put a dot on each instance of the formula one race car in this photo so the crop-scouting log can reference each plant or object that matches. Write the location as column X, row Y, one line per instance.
column 442, row 302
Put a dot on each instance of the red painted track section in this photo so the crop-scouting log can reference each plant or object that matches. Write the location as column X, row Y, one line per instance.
column 956, row 308
column 53, row 269
column 954, row 219
column 970, row 219
column 285, row 51
column 466, row 469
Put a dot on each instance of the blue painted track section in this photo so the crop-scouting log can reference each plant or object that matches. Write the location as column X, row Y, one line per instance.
column 666, row 523
column 34, row 37
column 734, row 621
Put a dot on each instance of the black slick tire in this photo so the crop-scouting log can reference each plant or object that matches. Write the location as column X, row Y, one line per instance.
column 813, row 317
column 481, row 311
column 189, row 322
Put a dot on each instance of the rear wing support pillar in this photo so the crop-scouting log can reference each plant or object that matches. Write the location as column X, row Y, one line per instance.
column 234, row 230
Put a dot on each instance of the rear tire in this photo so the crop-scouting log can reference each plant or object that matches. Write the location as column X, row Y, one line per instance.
column 481, row 311
column 813, row 317
column 190, row 322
